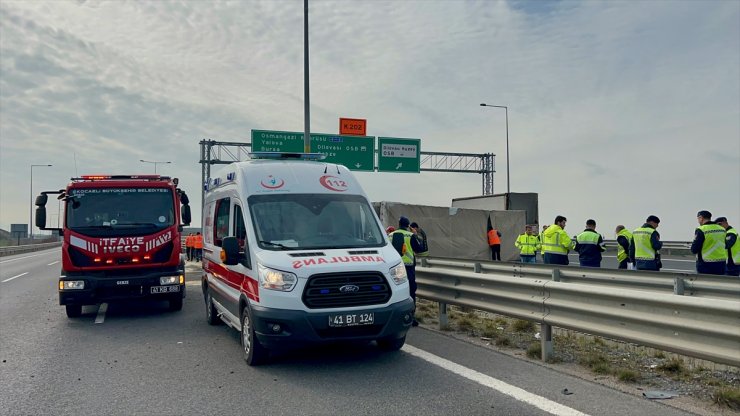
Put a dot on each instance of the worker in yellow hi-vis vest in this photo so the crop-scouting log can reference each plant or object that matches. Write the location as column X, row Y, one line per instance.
column 709, row 245
column 732, row 246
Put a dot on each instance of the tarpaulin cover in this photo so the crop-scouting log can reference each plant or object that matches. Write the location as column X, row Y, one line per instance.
column 458, row 232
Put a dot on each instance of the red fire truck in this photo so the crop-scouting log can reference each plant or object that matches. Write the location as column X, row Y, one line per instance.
column 121, row 239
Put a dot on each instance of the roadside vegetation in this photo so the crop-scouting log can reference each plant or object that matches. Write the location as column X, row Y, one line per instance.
column 637, row 367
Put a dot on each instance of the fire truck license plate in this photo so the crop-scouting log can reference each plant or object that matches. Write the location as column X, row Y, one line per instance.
column 351, row 319
column 165, row 289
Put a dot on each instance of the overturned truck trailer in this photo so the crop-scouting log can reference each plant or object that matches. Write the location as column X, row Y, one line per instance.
column 458, row 232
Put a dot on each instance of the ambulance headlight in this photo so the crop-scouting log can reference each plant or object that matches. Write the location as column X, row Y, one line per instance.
column 276, row 279
column 398, row 274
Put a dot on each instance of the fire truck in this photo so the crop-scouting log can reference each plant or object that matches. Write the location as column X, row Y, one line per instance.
column 121, row 239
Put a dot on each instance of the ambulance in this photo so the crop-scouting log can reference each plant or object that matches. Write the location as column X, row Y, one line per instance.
column 294, row 254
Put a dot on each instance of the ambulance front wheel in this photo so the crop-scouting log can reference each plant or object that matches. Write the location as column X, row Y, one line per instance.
column 253, row 352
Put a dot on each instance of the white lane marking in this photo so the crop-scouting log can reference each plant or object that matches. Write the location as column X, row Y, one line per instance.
column 26, row 257
column 512, row 391
column 53, row 263
column 14, row 277
column 101, row 313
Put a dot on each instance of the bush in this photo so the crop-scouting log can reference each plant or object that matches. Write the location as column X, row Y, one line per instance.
column 520, row 325
column 534, row 350
column 672, row 366
column 593, row 359
column 502, row 341
column 728, row 397
column 601, row 368
column 627, row 375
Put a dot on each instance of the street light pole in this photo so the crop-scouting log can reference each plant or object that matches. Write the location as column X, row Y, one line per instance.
column 508, row 176
column 307, row 95
column 30, row 217
column 154, row 162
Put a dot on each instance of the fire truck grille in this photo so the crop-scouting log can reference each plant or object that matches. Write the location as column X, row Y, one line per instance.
column 340, row 290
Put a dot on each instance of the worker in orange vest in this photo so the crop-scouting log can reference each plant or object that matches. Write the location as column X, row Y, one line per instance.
column 189, row 240
column 198, row 246
column 494, row 241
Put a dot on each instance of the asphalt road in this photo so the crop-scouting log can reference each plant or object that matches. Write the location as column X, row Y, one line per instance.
column 138, row 358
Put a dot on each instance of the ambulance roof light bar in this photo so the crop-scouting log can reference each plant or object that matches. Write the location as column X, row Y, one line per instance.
column 287, row 155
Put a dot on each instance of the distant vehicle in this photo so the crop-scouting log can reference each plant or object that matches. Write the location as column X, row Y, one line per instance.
column 121, row 239
column 294, row 254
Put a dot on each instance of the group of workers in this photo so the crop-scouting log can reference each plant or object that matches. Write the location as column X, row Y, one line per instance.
column 194, row 246
column 715, row 245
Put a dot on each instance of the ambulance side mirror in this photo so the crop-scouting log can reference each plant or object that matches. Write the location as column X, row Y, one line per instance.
column 230, row 251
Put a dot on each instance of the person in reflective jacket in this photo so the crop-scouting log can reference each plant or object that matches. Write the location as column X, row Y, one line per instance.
column 732, row 246
column 406, row 244
column 590, row 245
column 624, row 237
column 709, row 245
column 645, row 245
column 557, row 243
column 527, row 245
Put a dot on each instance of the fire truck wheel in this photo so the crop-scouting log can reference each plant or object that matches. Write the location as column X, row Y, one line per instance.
column 176, row 303
column 211, row 313
column 253, row 352
column 73, row 311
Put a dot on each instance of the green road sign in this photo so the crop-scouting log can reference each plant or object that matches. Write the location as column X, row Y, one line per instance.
column 355, row 152
column 277, row 141
column 399, row 155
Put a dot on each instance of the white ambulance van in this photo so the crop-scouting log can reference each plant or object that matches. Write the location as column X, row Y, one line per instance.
column 294, row 254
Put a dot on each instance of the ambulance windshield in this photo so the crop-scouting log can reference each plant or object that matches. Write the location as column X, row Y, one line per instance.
column 314, row 221
column 119, row 211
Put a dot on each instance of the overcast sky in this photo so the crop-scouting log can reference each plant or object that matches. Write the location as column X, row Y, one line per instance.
column 617, row 110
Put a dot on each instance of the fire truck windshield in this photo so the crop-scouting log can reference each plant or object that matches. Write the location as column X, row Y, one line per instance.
column 119, row 211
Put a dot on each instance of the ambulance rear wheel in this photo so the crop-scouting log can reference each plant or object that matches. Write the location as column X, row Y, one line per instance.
column 211, row 312
column 253, row 352
column 73, row 311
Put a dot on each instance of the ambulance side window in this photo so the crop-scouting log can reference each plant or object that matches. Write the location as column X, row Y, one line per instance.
column 240, row 232
column 221, row 226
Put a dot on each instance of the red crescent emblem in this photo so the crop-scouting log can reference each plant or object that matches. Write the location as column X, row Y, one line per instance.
column 272, row 183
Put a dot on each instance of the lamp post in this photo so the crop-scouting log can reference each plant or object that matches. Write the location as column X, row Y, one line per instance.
column 30, row 217
column 155, row 162
column 508, row 176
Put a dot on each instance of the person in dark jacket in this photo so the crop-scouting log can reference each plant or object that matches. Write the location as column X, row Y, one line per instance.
column 406, row 244
column 733, row 247
column 645, row 245
column 709, row 245
column 624, row 236
column 590, row 245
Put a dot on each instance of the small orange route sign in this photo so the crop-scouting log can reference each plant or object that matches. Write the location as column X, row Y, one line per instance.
column 352, row 126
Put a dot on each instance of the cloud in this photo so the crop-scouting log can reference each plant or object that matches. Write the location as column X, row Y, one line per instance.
column 601, row 96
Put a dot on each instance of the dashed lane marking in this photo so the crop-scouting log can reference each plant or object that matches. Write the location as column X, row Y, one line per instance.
column 512, row 391
column 15, row 277
column 53, row 263
column 101, row 313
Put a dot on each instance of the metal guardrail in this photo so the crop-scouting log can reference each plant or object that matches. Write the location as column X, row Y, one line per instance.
column 689, row 284
column 10, row 250
column 704, row 326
